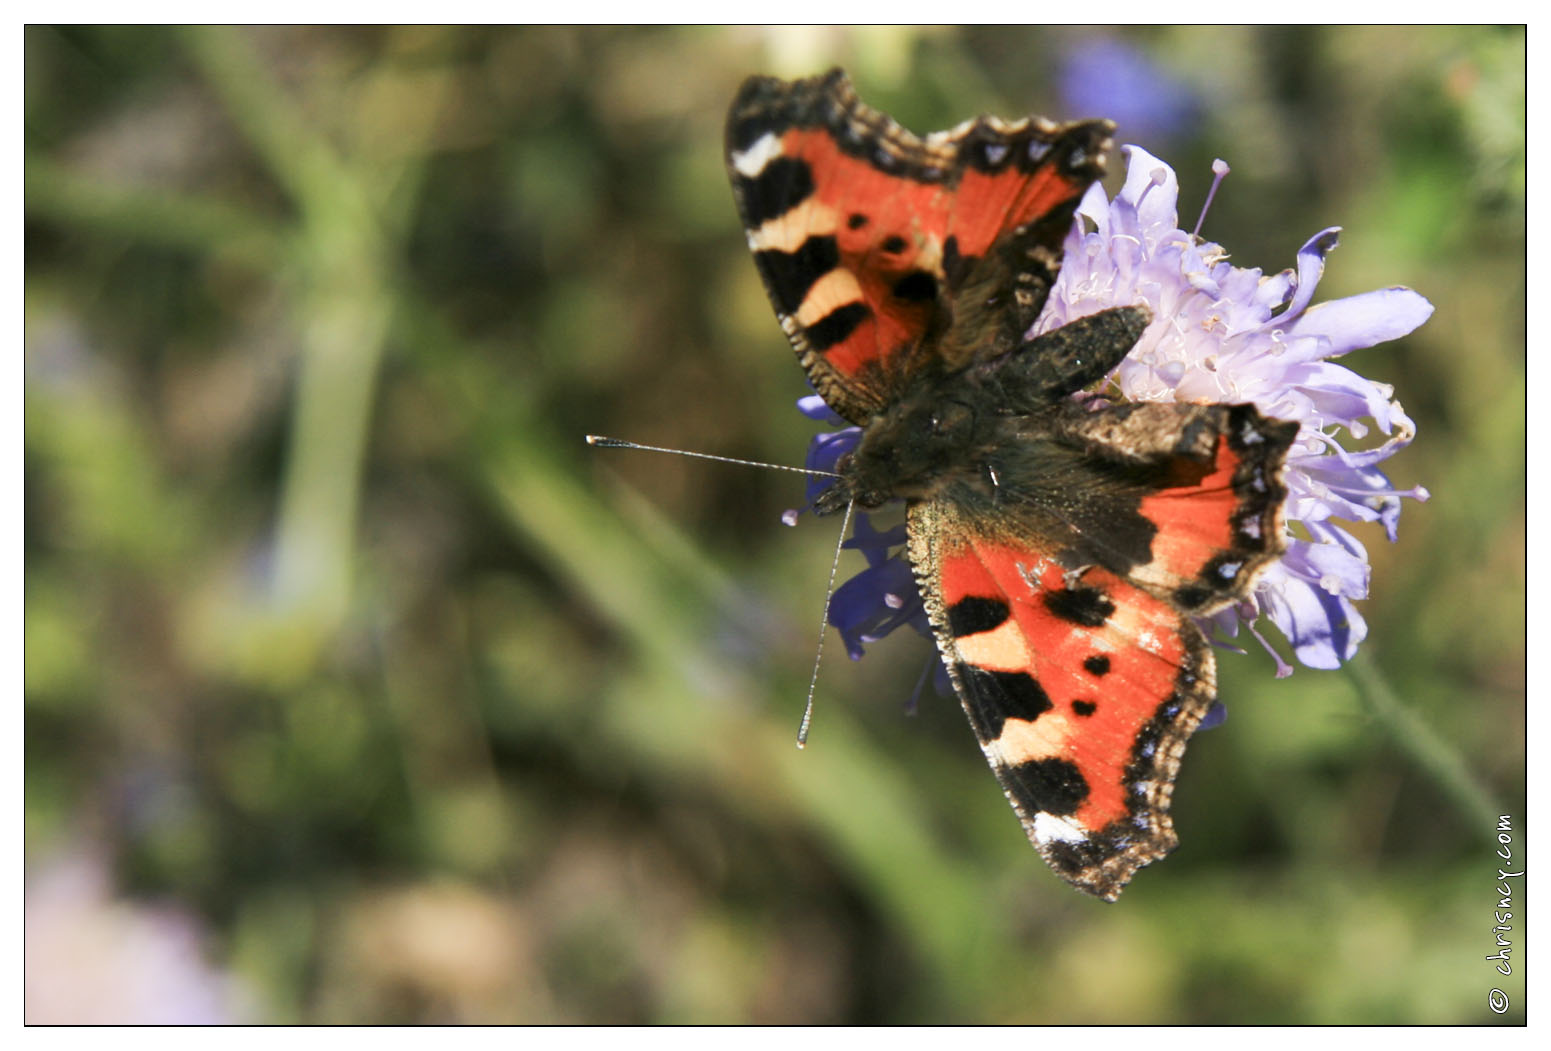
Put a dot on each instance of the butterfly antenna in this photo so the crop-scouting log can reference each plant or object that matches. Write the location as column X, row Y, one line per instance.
column 807, row 713
column 829, row 594
column 619, row 443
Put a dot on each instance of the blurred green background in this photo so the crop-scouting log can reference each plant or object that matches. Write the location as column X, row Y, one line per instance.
column 359, row 689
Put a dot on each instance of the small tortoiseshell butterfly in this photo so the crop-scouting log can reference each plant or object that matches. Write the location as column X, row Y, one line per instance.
column 1063, row 546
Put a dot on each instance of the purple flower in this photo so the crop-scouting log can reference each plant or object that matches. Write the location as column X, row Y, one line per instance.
column 825, row 450
column 873, row 603
column 1108, row 76
column 1220, row 333
column 1225, row 334
column 93, row 958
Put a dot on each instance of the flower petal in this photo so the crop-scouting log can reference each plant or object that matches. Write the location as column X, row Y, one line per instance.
column 873, row 603
column 1311, row 266
column 1324, row 629
column 1341, row 395
column 813, row 407
column 874, row 545
column 1151, row 188
column 1363, row 320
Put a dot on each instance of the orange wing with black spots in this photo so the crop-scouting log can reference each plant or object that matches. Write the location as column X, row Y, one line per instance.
column 1075, row 656
column 871, row 239
column 1082, row 694
column 1205, row 478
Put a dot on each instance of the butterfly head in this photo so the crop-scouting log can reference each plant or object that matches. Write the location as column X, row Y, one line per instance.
column 914, row 448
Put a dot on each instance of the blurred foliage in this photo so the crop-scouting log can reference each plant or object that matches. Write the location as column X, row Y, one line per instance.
column 339, row 639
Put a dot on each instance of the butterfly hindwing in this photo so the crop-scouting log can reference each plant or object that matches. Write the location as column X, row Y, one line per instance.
column 1065, row 615
column 865, row 234
column 1081, row 691
column 1205, row 484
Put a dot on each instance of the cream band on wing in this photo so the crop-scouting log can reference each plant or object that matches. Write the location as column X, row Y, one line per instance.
column 834, row 289
column 1000, row 649
column 1023, row 741
column 787, row 231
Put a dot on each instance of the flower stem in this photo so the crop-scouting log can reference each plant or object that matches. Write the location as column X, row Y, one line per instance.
column 1441, row 762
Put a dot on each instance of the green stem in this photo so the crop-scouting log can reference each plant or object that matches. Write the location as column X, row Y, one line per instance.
column 340, row 254
column 1442, row 764
column 300, row 159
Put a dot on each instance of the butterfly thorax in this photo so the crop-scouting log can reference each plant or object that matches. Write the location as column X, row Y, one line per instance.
column 951, row 437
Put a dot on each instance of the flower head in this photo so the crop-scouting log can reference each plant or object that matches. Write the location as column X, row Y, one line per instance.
column 1220, row 333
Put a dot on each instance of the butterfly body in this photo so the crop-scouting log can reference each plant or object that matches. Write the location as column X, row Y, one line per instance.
column 991, row 433
column 1062, row 544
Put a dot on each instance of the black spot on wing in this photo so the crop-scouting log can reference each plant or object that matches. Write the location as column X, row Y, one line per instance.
column 972, row 614
column 893, row 244
column 993, row 697
column 1084, row 708
column 856, row 220
column 791, row 274
column 1192, row 596
column 746, row 131
column 1116, row 516
column 954, row 265
column 1247, row 429
column 1098, row 664
column 837, row 325
column 783, row 184
column 1086, row 606
column 918, row 286
column 1050, row 786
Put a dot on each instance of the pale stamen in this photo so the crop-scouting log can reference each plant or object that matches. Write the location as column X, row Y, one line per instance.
column 1220, row 169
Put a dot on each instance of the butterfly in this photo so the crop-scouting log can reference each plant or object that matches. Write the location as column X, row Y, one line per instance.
column 1064, row 544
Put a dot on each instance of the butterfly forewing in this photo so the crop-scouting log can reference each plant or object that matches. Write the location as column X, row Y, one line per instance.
column 863, row 231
